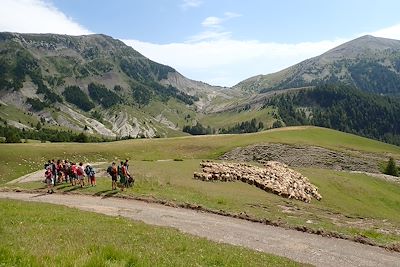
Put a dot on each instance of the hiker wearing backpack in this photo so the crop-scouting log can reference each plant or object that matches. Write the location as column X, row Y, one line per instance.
column 113, row 172
column 49, row 180
column 86, row 171
column 122, row 172
column 73, row 174
column 127, row 164
column 53, row 171
column 129, row 177
column 47, row 164
column 90, row 172
column 59, row 168
column 67, row 170
column 80, row 173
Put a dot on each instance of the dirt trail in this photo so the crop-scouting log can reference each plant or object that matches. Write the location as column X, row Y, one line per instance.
column 299, row 246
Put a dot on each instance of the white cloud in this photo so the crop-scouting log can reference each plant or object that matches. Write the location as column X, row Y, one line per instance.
column 392, row 32
column 214, row 29
column 227, row 62
column 213, row 56
column 215, row 22
column 191, row 3
column 210, row 35
column 212, row 22
column 36, row 16
column 231, row 15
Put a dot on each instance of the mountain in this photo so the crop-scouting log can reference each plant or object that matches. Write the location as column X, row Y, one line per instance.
column 95, row 83
column 369, row 63
column 56, row 87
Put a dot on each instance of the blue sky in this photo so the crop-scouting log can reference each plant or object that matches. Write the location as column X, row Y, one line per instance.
column 285, row 21
column 217, row 41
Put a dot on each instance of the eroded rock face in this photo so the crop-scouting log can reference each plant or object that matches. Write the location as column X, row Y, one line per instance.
column 275, row 177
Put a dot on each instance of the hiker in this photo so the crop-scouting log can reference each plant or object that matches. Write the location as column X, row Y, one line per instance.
column 47, row 164
column 49, row 180
column 87, row 174
column 129, row 177
column 123, row 175
column 90, row 172
column 73, row 173
column 59, row 172
column 67, row 171
column 113, row 172
column 80, row 173
column 53, row 171
column 127, row 164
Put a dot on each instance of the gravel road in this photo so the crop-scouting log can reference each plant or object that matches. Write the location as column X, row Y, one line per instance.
column 299, row 246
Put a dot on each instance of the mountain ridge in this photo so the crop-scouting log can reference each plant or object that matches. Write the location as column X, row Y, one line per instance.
column 357, row 62
column 96, row 84
column 37, row 69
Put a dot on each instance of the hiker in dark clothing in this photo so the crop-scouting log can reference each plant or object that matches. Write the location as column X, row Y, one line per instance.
column 122, row 172
column 113, row 172
column 54, row 171
column 90, row 172
column 127, row 164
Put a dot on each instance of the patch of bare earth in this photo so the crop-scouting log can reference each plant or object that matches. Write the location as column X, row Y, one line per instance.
column 305, row 156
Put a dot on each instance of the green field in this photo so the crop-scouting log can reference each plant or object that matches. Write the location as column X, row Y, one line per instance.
column 35, row 234
column 20, row 159
column 229, row 119
column 353, row 205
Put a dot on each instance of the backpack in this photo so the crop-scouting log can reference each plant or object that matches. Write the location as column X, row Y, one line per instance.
column 88, row 170
column 109, row 170
column 120, row 170
column 53, row 167
column 46, row 165
column 79, row 171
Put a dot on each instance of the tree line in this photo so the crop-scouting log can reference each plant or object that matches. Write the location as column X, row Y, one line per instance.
column 15, row 135
column 343, row 108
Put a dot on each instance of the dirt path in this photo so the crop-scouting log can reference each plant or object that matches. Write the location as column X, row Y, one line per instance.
column 39, row 175
column 299, row 246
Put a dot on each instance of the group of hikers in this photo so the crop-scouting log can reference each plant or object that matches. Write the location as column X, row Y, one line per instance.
column 61, row 171
column 121, row 171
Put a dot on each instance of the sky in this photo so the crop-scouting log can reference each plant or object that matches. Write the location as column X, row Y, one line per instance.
column 221, row 42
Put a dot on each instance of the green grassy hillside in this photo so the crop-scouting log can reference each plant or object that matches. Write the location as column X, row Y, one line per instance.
column 20, row 159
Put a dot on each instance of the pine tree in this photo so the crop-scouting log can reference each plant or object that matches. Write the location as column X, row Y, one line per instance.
column 391, row 168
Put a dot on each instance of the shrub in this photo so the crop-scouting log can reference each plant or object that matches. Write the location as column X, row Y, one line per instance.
column 391, row 168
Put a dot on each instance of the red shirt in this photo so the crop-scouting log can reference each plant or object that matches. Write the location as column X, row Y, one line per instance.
column 73, row 168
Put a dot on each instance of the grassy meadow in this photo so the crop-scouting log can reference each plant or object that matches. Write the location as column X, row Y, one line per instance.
column 69, row 237
column 354, row 205
column 20, row 159
column 229, row 119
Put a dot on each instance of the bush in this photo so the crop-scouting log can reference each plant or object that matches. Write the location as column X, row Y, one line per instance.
column 12, row 136
column 391, row 168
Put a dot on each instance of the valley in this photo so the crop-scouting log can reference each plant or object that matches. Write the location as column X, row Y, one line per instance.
column 333, row 119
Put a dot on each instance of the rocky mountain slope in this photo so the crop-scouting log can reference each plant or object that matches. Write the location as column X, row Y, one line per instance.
column 95, row 83
column 369, row 63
